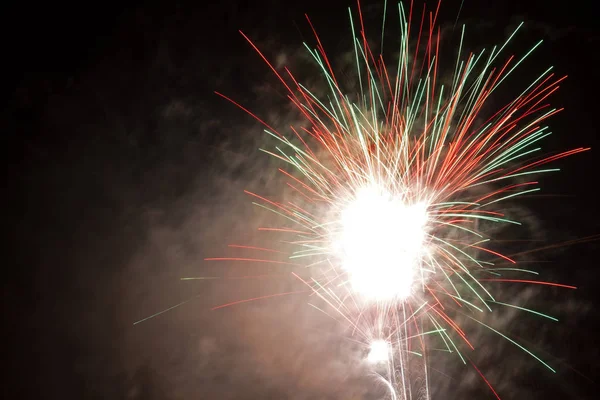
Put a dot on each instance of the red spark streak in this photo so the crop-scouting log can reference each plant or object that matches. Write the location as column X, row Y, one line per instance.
column 249, row 260
column 249, row 112
column 258, row 298
column 255, row 248
column 485, row 380
column 494, row 253
column 284, row 230
column 528, row 281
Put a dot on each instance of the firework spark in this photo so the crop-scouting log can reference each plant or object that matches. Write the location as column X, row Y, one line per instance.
column 393, row 187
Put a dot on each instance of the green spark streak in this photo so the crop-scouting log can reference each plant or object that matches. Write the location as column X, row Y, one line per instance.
column 525, row 309
column 492, row 273
column 505, row 160
column 513, row 342
column 415, row 313
column 508, row 40
column 436, row 135
column 462, row 300
column 512, row 195
column 484, row 217
column 534, row 137
column 383, row 24
column 449, row 204
column 459, row 227
column 195, row 278
column 425, row 333
column 444, row 333
column 166, row 310
column 517, row 64
column 373, row 81
column 462, row 37
column 462, row 266
column 330, row 81
column 513, row 269
column 362, row 95
column 445, row 275
column 539, row 171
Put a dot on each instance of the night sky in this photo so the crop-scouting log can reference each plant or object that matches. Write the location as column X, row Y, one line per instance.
column 125, row 171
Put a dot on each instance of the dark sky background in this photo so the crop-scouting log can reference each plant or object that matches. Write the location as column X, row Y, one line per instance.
column 125, row 171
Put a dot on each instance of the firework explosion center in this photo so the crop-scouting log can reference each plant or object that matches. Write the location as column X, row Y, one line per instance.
column 381, row 243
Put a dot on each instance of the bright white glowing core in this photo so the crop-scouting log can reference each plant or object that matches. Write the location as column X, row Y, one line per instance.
column 381, row 244
column 379, row 351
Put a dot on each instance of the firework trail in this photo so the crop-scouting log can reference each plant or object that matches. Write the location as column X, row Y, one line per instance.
column 393, row 190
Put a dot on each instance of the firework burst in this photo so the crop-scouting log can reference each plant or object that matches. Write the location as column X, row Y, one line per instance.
column 393, row 187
